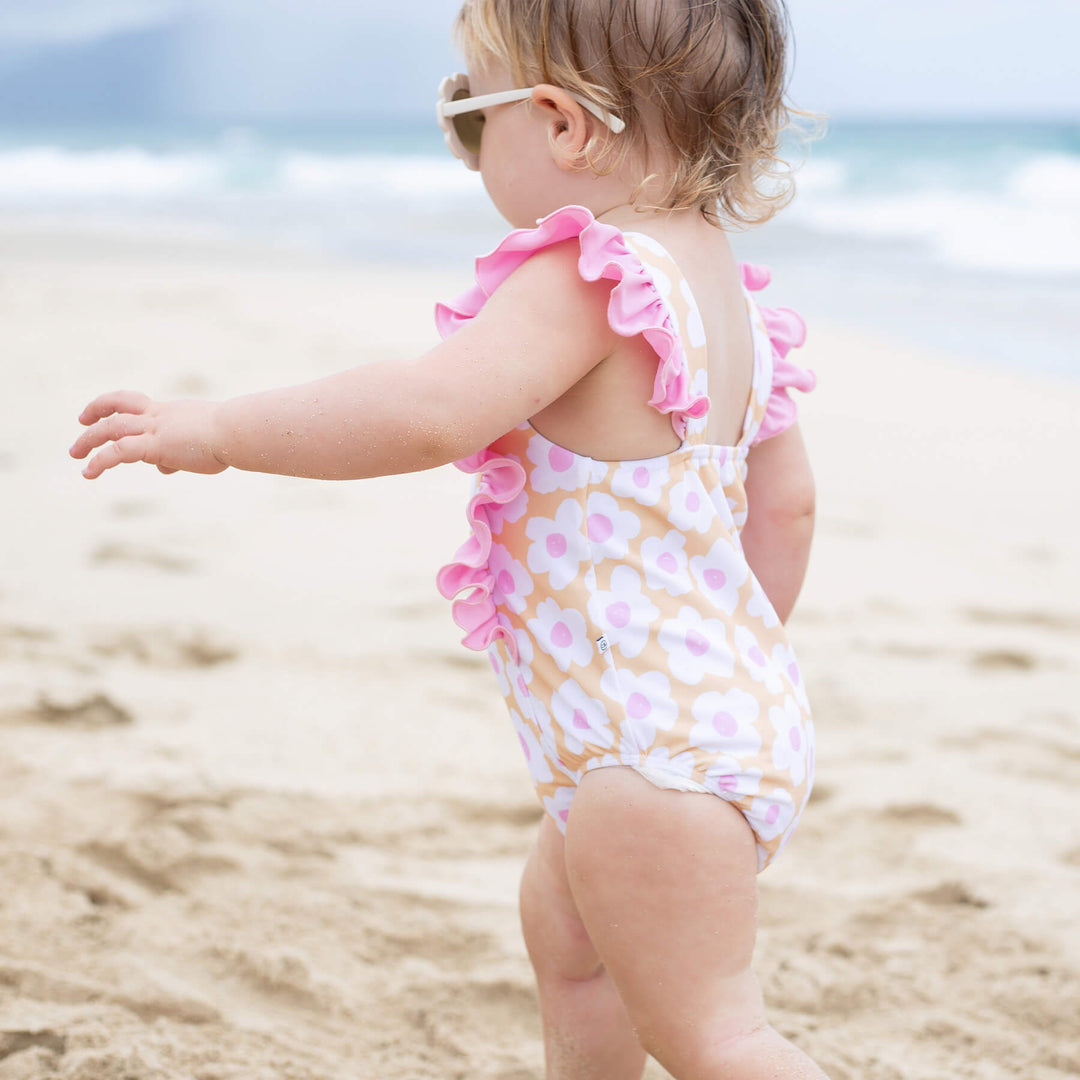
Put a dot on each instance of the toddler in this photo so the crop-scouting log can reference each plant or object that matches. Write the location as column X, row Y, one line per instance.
column 642, row 508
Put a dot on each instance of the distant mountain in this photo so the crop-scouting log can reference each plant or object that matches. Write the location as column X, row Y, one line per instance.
column 128, row 76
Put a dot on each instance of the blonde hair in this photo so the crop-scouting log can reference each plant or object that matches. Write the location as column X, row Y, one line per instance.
column 711, row 73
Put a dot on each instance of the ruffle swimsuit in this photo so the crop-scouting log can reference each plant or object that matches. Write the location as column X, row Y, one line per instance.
column 622, row 620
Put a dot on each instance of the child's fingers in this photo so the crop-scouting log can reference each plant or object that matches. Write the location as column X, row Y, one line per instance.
column 118, row 401
column 124, row 451
column 107, row 430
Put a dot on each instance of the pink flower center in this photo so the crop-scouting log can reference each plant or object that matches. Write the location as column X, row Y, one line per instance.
column 757, row 656
column 796, row 738
column 556, row 545
column 641, row 476
column 726, row 782
column 506, row 583
column 561, row 637
column 619, row 614
column 725, row 724
column 668, row 563
column 697, row 643
column 793, row 673
column 693, row 502
column 564, row 815
column 559, row 459
column 522, row 687
column 600, row 528
column 581, row 721
column 715, row 579
column 494, row 662
column 525, row 747
column 772, row 814
column 638, row 706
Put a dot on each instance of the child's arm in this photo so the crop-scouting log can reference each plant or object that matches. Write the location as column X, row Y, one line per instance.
column 541, row 332
column 780, row 524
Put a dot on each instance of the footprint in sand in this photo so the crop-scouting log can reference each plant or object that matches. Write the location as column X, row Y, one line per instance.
column 1056, row 621
column 95, row 711
column 950, row 894
column 163, row 647
column 920, row 814
column 117, row 552
column 15, row 1042
column 1003, row 660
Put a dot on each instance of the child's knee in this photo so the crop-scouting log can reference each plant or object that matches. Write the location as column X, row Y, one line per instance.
column 555, row 937
column 720, row 1045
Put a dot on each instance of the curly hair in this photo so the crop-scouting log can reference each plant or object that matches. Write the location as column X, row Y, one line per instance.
column 707, row 77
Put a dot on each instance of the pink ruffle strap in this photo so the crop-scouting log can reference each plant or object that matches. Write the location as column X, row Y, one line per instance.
column 786, row 331
column 635, row 307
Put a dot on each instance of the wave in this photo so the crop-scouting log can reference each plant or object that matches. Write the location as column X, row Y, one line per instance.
column 44, row 174
column 1028, row 223
column 1025, row 218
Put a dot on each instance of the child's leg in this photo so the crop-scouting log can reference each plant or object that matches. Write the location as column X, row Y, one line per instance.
column 587, row 1035
column 666, row 884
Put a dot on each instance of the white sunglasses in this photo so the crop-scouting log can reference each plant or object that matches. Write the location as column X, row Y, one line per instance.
column 457, row 112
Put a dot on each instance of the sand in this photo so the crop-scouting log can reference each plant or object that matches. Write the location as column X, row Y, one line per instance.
column 262, row 817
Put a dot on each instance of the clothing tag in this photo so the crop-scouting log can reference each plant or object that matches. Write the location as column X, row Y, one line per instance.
column 602, row 644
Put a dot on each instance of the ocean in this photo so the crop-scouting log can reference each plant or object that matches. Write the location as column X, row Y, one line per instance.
column 959, row 235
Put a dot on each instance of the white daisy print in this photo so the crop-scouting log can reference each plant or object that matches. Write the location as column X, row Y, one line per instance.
column 558, row 805
column 520, row 673
column 558, row 544
column 624, row 612
column 512, row 581
column 783, row 656
column 726, row 722
column 691, row 507
column 728, row 779
column 642, row 482
column 582, row 718
column 561, row 634
column 790, row 747
column 555, row 467
column 665, row 563
column 696, row 647
column 603, row 762
column 770, row 815
column 723, row 460
column 499, row 668
column 610, row 528
column 539, row 768
column 720, row 573
column 542, row 722
column 699, row 385
column 660, row 759
column 761, row 667
column 646, row 700
column 760, row 607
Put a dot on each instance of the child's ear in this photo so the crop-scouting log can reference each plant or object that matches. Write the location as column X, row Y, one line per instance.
column 569, row 125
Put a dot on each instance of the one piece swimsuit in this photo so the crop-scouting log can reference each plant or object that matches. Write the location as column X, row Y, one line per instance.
column 622, row 620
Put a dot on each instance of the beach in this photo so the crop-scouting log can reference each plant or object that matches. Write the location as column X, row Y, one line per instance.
column 262, row 816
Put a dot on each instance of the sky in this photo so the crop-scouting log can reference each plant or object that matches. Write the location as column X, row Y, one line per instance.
column 205, row 58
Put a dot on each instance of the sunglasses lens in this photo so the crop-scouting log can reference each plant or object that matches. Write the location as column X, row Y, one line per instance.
column 469, row 126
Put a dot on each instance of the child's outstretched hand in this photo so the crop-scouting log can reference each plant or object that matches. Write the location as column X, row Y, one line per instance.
column 173, row 435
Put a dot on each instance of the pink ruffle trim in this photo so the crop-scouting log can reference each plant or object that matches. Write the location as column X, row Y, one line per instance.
column 635, row 307
column 501, row 481
column 786, row 331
